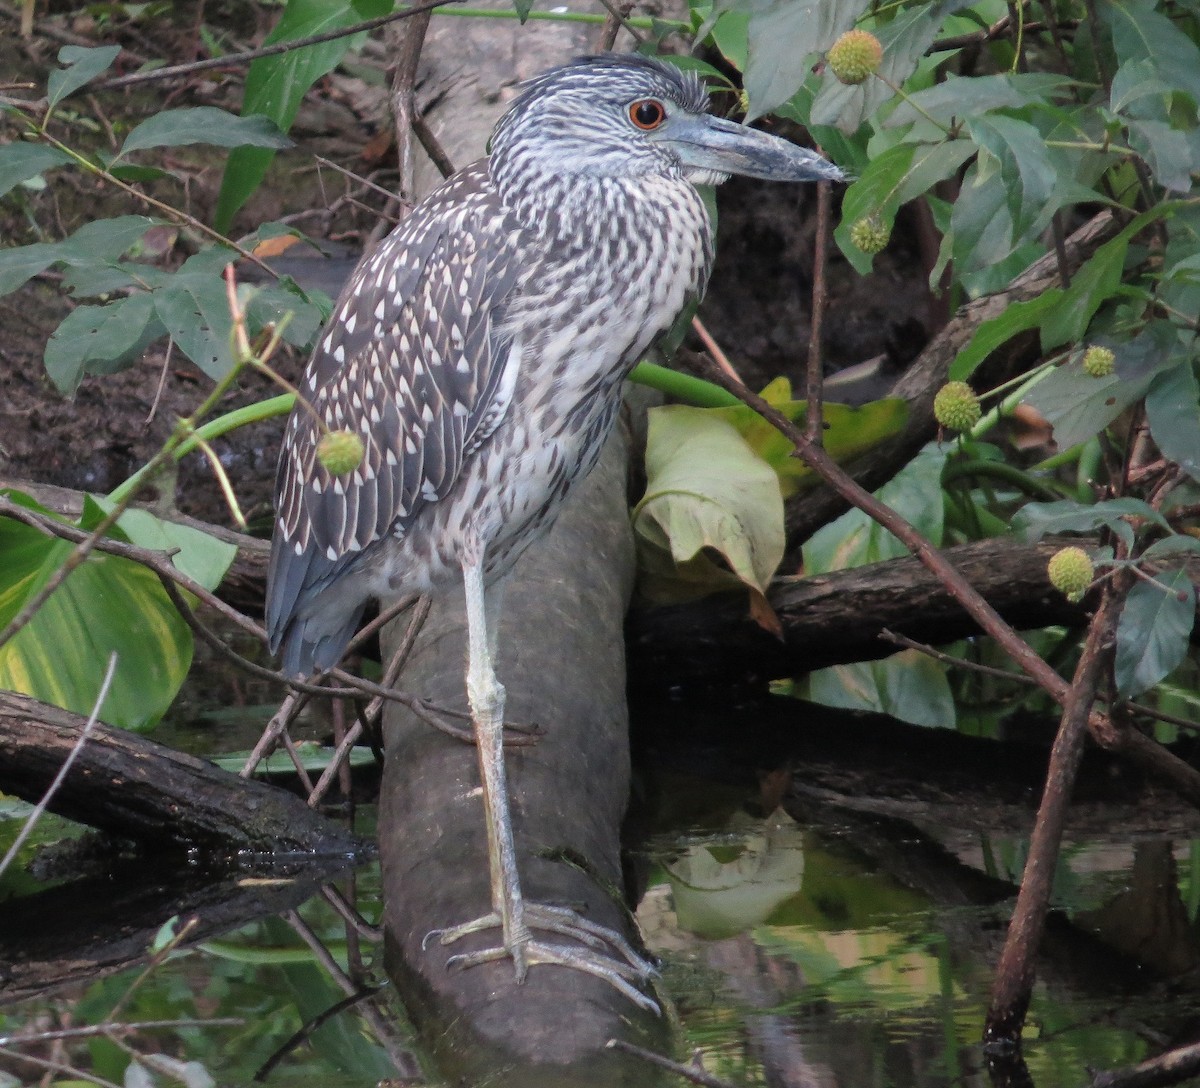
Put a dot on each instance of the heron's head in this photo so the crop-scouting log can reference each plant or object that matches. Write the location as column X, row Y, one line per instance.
column 624, row 115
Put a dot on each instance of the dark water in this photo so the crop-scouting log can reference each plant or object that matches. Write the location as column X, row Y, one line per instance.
column 802, row 944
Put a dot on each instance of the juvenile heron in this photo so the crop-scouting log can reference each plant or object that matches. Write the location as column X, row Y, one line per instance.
column 478, row 353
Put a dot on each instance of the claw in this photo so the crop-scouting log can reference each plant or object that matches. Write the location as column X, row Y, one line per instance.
column 597, row 957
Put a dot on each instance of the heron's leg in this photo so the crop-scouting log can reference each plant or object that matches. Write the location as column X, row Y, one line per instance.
column 485, row 694
column 510, row 912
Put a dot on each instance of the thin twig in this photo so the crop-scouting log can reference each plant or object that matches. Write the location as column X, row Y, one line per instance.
column 690, row 1072
column 405, row 42
column 232, row 60
column 306, row 1029
column 1014, row 974
column 60, row 1067
column 954, row 662
column 40, row 808
column 433, row 147
column 621, row 14
column 87, row 1031
column 814, row 418
column 714, row 349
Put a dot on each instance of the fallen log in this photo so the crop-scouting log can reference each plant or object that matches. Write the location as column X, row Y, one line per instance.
column 561, row 660
column 130, row 787
column 831, row 619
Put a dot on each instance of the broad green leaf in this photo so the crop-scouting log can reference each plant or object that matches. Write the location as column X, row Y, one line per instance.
column 21, row 263
column 781, row 38
column 271, row 304
column 1133, row 81
column 854, row 539
column 275, row 86
column 98, row 242
column 20, row 161
column 891, row 179
column 199, row 555
column 83, row 65
column 1140, row 31
column 957, row 98
column 107, row 605
column 848, row 432
column 1038, row 519
column 203, row 125
column 1167, row 151
column 1017, row 317
column 194, row 309
column 1153, row 631
column 905, row 40
column 705, row 489
column 909, row 685
column 1062, row 316
column 1175, row 544
column 1079, row 406
column 1024, row 162
column 1096, row 282
column 1173, row 412
column 107, row 334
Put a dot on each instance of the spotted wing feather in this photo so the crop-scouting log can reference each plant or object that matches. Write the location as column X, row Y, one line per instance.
column 412, row 361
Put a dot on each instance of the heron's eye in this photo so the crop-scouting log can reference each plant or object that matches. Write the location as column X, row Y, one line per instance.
column 648, row 113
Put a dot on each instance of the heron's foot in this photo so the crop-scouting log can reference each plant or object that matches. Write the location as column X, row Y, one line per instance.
column 602, row 951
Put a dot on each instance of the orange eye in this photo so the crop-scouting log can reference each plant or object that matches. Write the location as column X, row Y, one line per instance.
column 648, row 113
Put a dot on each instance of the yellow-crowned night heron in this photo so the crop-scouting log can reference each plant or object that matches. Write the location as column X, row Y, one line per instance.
column 479, row 353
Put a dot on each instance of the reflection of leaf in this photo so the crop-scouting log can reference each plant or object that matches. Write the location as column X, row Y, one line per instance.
column 848, row 431
column 705, row 490
column 1152, row 635
column 107, row 605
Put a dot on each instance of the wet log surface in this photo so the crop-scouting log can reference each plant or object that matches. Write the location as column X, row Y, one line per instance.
column 561, row 660
column 130, row 787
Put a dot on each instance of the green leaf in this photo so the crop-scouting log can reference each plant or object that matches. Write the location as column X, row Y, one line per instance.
column 1024, row 162
column 854, row 539
column 107, row 605
column 705, row 490
column 1173, row 412
column 1017, row 317
column 1166, row 150
column 21, row 161
column 98, row 242
column 1140, row 31
column 892, row 178
column 275, row 86
column 1153, row 631
column 1096, row 282
column 83, row 65
column 958, row 98
column 905, row 40
column 199, row 555
column 194, row 309
column 1079, row 406
column 909, row 685
column 111, row 333
column 21, row 263
column 1038, row 519
column 203, row 125
column 848, row 432
column 314, row 757
column 781, row 37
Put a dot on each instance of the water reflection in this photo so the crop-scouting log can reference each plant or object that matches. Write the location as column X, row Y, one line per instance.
column 805, row 939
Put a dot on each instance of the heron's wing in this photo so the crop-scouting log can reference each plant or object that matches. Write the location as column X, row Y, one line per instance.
column 412, row 362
